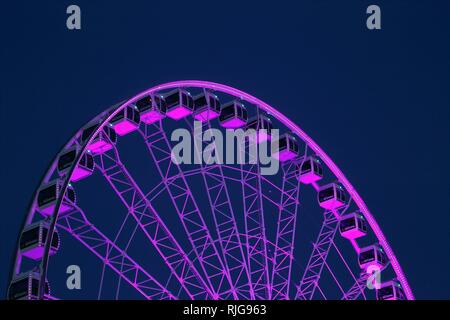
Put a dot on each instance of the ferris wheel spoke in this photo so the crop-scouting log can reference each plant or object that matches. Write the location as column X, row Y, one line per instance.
column 277, row 190
column 284, row 243
column 333, row 276
column 357, row 289
column 76, row 224
column 316, row 262
column 256, row 240
column 152, row 225
column 359, row 285
column 225, row 222
column 321, row 292
column 130, row 240
column 217, row 275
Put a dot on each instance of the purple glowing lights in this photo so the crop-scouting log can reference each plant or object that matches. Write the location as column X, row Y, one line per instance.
column 233, row 123
column 99, row 146
column 152, row 117
column 124, row 127
column 206, row 115
column 283, row 155
column 178, row 112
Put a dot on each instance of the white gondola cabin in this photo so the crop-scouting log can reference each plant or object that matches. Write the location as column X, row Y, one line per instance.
column 310, row 170
column 263, row 127
column 233, row 115
column 33, row 238
column 125, row 121
column 372, row 256
column 26, row 287
column 103, row 142
column 206, row 107
column 286, row 149
column 48, row 196
column 151, row 109
column 353, row 226
column 332, row 196
column 84, row 168
column 179, row 103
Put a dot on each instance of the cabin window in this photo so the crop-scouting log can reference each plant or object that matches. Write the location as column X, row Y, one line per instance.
column 144, row 103
column 347, row 224
column 29, row 237
column 366, row 256
column 118, row 116
column 362, row 225
column 386, row 292
column 19, row 289
column 66, row 159
column 228, row 112
column 326, row 194
column 173, row 99
column 47, row 195
column 306, row 166
column 282, row 143
column 201, row 101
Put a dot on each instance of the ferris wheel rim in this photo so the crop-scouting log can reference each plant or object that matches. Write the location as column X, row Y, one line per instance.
column 253, row 100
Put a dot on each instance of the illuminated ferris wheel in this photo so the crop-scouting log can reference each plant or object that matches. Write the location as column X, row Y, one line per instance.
column 141, row 225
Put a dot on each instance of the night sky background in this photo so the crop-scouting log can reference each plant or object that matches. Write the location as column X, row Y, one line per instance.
column 376, row 101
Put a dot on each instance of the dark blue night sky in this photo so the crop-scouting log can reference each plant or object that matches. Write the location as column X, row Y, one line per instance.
column 376, row 101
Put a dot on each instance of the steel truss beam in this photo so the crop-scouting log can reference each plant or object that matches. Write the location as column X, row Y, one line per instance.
column 110, row 165
column 230, row 173
column 76, row 224
column 284, row 244
column 217, row 273
column 225, row 222
column 358, row 288
column 317, row 260
column 254, row 223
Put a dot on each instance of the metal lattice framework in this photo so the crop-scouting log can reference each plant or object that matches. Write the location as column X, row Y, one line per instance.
column 207, row 230
column 283, row 255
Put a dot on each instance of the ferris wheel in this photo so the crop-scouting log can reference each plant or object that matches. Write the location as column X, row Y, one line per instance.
column 141, row 225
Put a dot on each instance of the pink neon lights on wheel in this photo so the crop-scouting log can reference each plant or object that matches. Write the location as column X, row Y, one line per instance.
column 237, row 258
column 178, row 113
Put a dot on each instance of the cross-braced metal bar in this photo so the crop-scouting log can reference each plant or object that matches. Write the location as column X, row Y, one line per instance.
column 224, row 219
column 284, row 243
column 76, row 223
column 317, row 260
column 254, row 222
column 217, row 273
column 358, row 288
column 152, row 225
